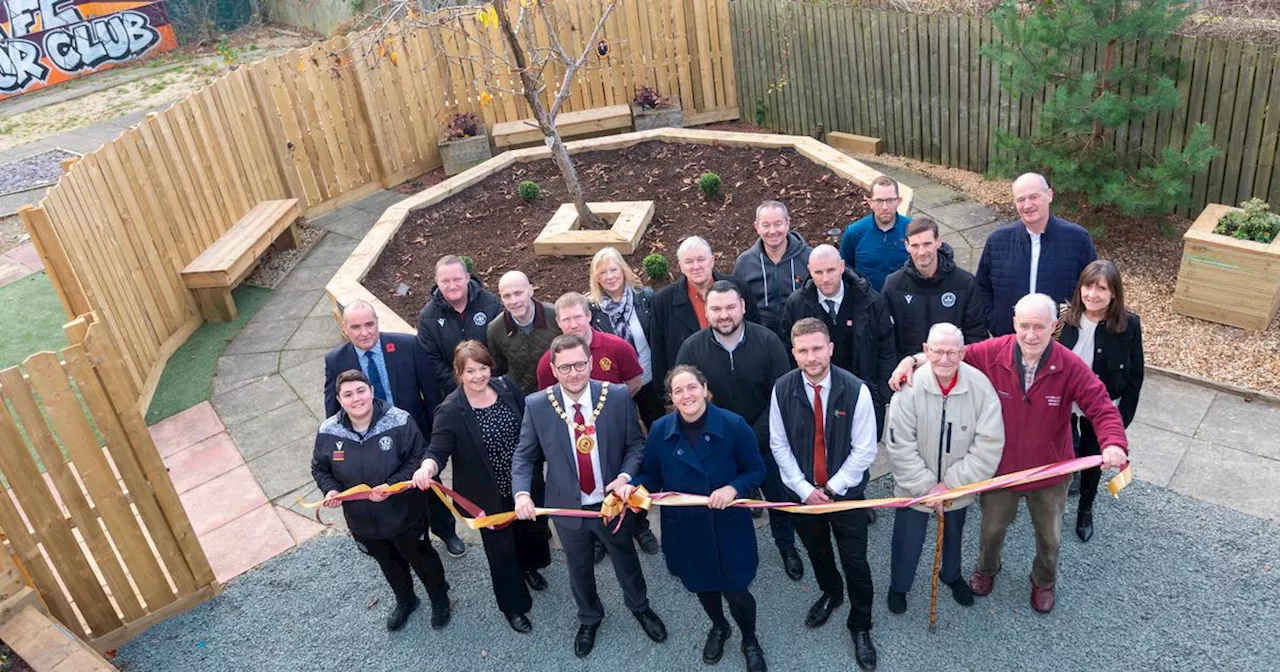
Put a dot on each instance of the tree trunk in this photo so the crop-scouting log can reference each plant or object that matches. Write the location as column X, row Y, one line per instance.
column 1109, row 62
column 546, row 123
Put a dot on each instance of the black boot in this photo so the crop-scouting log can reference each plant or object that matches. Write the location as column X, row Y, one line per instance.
column 400, row 613
column 1084, row 522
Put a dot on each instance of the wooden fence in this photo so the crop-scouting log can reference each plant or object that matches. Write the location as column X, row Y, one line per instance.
column 919, row 82
column 327, row 124
column 91, row 516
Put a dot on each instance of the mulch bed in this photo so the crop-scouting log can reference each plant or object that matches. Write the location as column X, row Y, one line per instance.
column 490, row 223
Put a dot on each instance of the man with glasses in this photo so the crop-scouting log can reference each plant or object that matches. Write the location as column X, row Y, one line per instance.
column 875, row 245
column 1037, row 254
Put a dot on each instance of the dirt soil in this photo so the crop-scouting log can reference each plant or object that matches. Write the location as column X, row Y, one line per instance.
column 490, row 223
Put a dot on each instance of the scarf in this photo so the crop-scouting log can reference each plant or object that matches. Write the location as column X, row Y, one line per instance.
column 619, row 313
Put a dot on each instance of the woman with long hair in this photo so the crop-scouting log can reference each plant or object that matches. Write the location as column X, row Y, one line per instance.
column 620, row 305
column 1102, row 331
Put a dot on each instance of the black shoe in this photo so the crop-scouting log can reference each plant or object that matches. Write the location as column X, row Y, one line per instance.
column 714, row 648
column 1084, row 524
column 520, row 623
column 455, row 547
column 863, row 650
column 648, row 543
column 821, row 610
column 1074, row 488
column 652, row 625
column 898, row 602
column 535, row 580
column 585, row 640
column 601, row 553
column 401, row 614
column 755, row 656
column 792, row 563
column 441, row 612
column 961, row 591
column 871, row 516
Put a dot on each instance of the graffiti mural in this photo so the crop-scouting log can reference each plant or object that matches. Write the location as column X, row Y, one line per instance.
column 44, row 42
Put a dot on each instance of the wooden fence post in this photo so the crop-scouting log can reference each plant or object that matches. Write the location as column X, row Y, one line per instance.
column 57, row 265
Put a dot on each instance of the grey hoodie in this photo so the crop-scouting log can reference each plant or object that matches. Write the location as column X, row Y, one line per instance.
column 772, row 283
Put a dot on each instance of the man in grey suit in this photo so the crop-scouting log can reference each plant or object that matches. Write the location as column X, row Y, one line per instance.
column 588, row 434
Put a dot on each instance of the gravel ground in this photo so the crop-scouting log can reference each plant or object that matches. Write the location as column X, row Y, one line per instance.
column 31, row 172
column 1167, row 583
column 274, row 266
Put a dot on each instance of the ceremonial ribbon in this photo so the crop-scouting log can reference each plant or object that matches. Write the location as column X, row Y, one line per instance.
column 641, row 499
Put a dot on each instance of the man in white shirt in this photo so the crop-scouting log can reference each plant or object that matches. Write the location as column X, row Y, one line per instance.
column 589, row 436
column 822, row 433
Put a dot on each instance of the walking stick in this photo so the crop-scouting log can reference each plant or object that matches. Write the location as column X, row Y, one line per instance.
column 937, row 567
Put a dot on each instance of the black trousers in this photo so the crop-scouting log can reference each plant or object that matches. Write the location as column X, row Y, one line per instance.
column 1086, row 445
column 442, row 522
column 522, row 546
column 409, row 550
column 909, row 529
column 579, row 554
column 850, row 531
column 742, row 606
column 649, row 403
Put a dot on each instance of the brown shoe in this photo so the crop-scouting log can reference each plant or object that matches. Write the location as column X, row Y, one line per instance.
column 981, row 584
column 1042, row 599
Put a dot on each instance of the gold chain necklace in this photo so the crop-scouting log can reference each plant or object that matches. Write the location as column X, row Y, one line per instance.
column 584, row 443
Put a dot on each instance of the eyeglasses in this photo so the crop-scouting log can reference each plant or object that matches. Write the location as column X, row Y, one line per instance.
column 946, row 354
column 578, row 367
column 885, row 201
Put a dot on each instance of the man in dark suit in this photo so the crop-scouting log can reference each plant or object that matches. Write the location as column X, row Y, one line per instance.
column 401, row 375
column 589, row 435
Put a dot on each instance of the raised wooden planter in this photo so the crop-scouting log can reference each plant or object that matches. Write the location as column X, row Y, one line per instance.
column 459, row 155
column 666, row 117
column 1225, row 280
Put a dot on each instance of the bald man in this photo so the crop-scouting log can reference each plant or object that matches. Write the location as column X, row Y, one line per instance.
column 522, row 332
column 857, row 317
column 1039, row 253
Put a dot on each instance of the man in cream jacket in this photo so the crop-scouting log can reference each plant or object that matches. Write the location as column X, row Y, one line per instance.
column 945, row 431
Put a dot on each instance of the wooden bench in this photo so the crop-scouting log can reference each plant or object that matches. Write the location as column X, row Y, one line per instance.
column 46, row 645
column 213, row 274
column 595, row 121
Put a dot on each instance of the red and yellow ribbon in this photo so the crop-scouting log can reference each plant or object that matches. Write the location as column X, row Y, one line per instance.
column 641, row 499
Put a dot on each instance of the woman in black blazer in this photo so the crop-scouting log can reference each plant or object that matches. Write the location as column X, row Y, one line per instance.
column 620, row 305
column 1102, row 331
column 478, row 425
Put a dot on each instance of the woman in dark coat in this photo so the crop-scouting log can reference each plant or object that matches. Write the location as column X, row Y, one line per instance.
column 703, row 450
column 1102, row 331
column 478, row 425
column 620, row 305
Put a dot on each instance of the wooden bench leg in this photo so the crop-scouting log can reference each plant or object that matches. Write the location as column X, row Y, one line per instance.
column 289, row 239
column 216, row 304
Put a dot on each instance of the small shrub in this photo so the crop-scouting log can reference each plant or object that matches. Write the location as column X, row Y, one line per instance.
column 647, row 98
column 528, row 191
column 1256, row 222
column 656, row 267
column 462, row 125
column 709, row 183
column 468, row 262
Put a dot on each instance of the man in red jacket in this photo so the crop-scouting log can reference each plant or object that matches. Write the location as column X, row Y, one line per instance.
column 1037, row 381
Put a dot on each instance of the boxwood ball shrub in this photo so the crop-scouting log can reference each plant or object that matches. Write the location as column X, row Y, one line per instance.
column 528, row 190
column 656, row 266
column 709, row 183
column 468, row 262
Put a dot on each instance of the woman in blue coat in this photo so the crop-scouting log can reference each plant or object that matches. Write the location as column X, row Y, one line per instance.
column 704, row 450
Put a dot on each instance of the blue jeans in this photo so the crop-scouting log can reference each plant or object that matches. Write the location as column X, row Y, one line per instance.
column 909, row 527
column 784, row 531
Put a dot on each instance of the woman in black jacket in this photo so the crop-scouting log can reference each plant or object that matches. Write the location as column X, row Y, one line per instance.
column 620, row 305
column 1102, row 331
column 370, row 442
column 478, row 425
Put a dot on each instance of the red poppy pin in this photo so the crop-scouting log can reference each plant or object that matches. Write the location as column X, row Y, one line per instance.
column 391, row 347
column 840, row 414
column 589, row 430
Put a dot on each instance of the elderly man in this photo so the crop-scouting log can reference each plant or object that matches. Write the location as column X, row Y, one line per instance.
column 400, row 374
column 945, row 431
column 822, row 433
column 680, row 309
column 460, row 309
column 875, row 245
column 742, row 361
column 776, row 266
column 1038, row 254
column 1038, row 381
column 857, row 320
column 522, row 333
column 929, row 289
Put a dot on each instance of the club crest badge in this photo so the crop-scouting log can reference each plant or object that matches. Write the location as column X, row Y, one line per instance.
column 480, row 319
column 606, row 364
column 385, row 443
column 948, row 300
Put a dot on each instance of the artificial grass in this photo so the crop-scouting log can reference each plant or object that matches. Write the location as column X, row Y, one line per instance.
column 188, row 376
column 31, row 319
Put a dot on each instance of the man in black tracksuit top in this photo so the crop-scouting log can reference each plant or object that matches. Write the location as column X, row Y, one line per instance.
column 393, row 530
column 460, row 309
column 741, row 361
column 930, row 288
